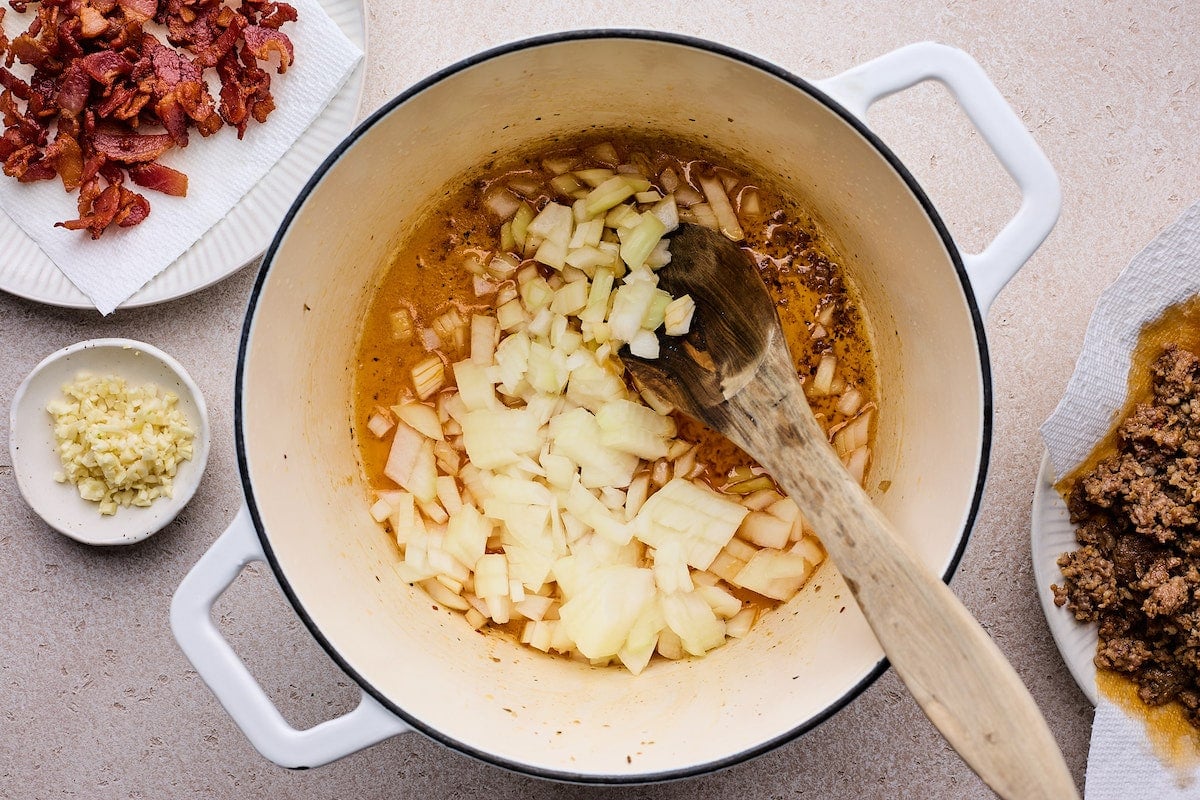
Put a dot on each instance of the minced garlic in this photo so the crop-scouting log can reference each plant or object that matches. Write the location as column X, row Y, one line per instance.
column 119, row 444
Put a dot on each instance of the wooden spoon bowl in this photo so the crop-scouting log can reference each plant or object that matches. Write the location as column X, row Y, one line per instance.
column 733, row 372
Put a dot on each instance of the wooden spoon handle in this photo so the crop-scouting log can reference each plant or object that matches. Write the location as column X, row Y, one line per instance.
column 952, row 667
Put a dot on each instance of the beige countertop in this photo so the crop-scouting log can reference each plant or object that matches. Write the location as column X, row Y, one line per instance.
column 97, row 701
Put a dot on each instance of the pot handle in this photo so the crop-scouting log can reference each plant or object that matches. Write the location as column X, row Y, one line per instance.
column 236, row 689
column 1041, row 197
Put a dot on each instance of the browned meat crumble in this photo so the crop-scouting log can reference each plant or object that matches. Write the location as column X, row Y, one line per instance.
column 1137, row 570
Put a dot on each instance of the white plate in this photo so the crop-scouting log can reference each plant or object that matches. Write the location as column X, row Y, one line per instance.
column 35, row 459
column 1052, row 535
column 237, row 239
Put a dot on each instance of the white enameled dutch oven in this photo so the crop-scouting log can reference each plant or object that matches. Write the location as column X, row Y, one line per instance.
column 305, row 511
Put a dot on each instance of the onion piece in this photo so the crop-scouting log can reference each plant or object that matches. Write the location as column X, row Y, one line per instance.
column 502, row 203
column 428, row 376
column 823, row 379
column 718, row 200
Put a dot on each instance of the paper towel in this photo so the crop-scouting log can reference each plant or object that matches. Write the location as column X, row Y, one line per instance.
column 1121, row 764
column 220, row 170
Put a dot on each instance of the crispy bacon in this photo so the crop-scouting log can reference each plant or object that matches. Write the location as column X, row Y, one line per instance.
column 10, row 142
column 139, row 10
column 262, row 42
column 276, row 14
column 102, row 88
column 134, row 208
column 222, row 44
column 12, row 83
column 40, row 170
column 132, row 148
column 67, row 158
column 92, row 22
column 105, row 67
column 29, row 50
column 160, row 178
column 98, row 215
column 124, row 103
column 73, row 89
column 112, row 173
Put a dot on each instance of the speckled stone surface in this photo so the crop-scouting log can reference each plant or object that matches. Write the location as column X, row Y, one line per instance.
column 96, row 700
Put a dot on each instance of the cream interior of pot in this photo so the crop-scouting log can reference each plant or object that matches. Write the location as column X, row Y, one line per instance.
column 486, row 693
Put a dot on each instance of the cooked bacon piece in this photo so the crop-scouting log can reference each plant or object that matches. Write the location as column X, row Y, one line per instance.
column 12, row 83
column 222, row 44
column 16, row 164
column 160, row 179
column 124, row 103
column 65, row 45
column 73, row 89
column 29, row 50
column 127, row 37
column 10, row 142
column 105, row 66
column 264, row 41
column 177, row 85
column 198, row 104
column 30, row 130
column 276, row 14
column 131, row 148
column 26, row 164
column 40, row 170
column 89, row 190
column 92, row 22
column 173, row 118
column 112, row 172
column 134, row 209
column 139, row 10
column 101, row 214
column 67, row 158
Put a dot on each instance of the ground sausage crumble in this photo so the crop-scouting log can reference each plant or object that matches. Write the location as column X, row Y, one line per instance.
column 1137, row 570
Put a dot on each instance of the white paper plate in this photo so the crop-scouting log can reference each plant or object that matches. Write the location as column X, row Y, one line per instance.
column 233, row 242
column 1052, row 535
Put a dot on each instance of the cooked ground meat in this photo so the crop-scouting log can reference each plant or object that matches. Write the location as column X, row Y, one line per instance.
column 1137, row 570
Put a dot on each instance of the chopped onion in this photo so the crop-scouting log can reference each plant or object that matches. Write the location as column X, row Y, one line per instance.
column 850, row 402
column 536, row 486
column 428, row 376
column 823, row 379
column 502, row 203
column 379, row 425
column 402, row 325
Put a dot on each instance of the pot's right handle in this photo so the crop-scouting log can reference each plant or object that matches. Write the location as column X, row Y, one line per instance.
column 858, row 88
column 227, row 676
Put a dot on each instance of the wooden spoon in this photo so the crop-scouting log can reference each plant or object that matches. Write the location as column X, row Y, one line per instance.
column 733, row 372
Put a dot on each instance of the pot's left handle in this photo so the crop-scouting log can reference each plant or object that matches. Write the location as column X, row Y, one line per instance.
column 236, row 689
column 1041, row 197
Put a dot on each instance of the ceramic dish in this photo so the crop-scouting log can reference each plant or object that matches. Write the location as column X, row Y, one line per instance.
column 233, row 242
column 1052, row 535
column 35, row 460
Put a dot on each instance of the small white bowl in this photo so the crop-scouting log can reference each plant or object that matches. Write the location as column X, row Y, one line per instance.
column 35, row 459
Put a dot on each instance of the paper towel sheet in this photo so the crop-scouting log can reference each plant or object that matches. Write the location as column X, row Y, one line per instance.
column 1121, row 764
column 220, row 170
column 1164, row 273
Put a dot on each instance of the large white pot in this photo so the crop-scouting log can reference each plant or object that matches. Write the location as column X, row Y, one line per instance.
column 305, row 496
